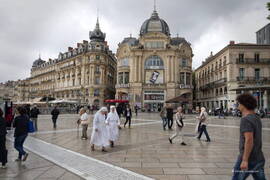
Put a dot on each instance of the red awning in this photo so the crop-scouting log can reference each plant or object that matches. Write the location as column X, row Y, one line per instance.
column 116, row 101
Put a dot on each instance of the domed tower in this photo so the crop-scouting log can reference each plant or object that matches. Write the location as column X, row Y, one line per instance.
column 97, row 34
column 155, row 67
column 38, row 62
column 155, row 24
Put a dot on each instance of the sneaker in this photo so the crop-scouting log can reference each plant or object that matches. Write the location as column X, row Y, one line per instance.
column 25, row 157
column 104, row 150
column 208, row 141
column 92, row 148
column 18, row 160
column 170, row 140
column 4, row 167
column 183, row 144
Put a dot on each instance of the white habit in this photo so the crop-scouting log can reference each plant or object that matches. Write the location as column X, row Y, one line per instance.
column 113, row 122
column 99, row 137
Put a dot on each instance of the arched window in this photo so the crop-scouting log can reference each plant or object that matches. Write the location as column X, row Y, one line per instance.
column 154, row 62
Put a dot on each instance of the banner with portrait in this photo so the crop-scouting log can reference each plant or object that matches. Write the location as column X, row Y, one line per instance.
column 154, row 77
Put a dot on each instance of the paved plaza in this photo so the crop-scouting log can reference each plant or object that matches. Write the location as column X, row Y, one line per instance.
column 142, row 152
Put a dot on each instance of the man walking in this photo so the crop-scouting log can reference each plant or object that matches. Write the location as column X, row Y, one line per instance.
column 169, row 110
column 251, row 159
column 34, row 112
column 55, row 112
column 163, row 115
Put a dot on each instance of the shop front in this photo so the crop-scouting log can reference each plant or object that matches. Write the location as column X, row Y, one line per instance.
column 153, row 100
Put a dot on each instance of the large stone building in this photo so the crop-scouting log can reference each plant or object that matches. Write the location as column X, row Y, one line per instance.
column 7, row 90
column 263, row 35
column 86, row 73
column 237, row 68
column 155, row 67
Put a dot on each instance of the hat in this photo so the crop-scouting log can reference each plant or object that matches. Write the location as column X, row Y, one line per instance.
column 103, row 109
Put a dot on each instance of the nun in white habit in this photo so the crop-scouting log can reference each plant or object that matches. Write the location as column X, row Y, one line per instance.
column 113, row 123
column 99, row 135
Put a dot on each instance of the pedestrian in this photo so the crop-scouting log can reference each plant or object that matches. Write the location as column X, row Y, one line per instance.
column 136, row 109
column 99, row 135
column 34, row 112
column 163, row 115
column 3, row 132
column 221, row 112
column 55, row 112
column 203, row 118
column 179, row 124
column 119, row 110
column 84, row 121
column 21, row 131
column 128, row 115
column 251, row 159
column 169, row 110
column 113, row 123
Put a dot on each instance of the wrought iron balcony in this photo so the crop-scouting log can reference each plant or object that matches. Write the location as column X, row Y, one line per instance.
column 253, row 61
column 252, row 79
column 122, row 85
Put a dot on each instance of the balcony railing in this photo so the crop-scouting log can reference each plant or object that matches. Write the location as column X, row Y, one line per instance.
column 122, row 85
column 253, row 61
column 252, row 78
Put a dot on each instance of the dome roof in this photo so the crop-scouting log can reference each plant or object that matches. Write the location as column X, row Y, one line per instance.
column 97, row 34
column 155, row 24
column 38, row 62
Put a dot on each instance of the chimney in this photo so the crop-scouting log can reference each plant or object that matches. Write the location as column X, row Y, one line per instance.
column 70, row 48
column 211, row 53
column 85, row 42
column 232, row 42
column 78, row 44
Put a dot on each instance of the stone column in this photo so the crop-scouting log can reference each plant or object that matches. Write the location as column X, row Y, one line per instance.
column 171, row 68
column 265, row 99
column 167, row 72
column 135, row 65
column 140, row 70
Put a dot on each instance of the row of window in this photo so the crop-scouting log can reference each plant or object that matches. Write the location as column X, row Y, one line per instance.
column 154, row 44
column 257, row 73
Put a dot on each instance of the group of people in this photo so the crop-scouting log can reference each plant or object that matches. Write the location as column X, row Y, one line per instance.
column 20, row 124
column 105, row 127
column 251, row 160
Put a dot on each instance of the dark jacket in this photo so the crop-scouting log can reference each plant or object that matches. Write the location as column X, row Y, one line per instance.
column 34, row 112
column 130, row 113
column 21, row 125
column 55, row 113
column 119, row 110
column 169, row 113
column 3, row 129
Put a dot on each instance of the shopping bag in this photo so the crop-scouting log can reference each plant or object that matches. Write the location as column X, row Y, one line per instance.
column 30, row 127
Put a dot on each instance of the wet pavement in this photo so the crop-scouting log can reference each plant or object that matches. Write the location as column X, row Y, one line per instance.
column 144, row 149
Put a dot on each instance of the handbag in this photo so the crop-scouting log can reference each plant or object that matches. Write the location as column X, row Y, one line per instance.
column 30, row 127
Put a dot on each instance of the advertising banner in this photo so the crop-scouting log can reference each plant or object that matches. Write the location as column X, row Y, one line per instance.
column 154, row 77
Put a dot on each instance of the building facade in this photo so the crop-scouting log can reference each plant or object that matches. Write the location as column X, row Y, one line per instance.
column 263, row 35
column 236, row 69
column 155, row 67
column 86, row 73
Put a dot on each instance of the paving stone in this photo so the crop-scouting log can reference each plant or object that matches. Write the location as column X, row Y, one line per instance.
column 159, row 165
column 183, row 171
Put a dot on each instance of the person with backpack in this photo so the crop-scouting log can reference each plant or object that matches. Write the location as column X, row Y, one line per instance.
column 34, row 112
column 179, row 124
column 203, row 118
column 3, row 132
column 55, row 113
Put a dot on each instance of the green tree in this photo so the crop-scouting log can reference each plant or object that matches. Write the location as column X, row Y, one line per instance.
column 268, row 7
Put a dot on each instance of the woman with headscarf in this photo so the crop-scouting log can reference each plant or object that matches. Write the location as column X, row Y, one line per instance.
column 99, row 135
column 203, row 118
column 113, row 123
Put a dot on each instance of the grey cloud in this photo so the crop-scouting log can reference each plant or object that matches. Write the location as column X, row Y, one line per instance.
column 48, row 27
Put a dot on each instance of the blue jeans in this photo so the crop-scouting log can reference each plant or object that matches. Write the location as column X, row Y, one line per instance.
column 203, row 130
column 164, row 122
column 18, row 145
column 256, row 169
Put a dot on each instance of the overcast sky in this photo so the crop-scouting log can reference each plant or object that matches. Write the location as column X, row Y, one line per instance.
column 30, row 27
